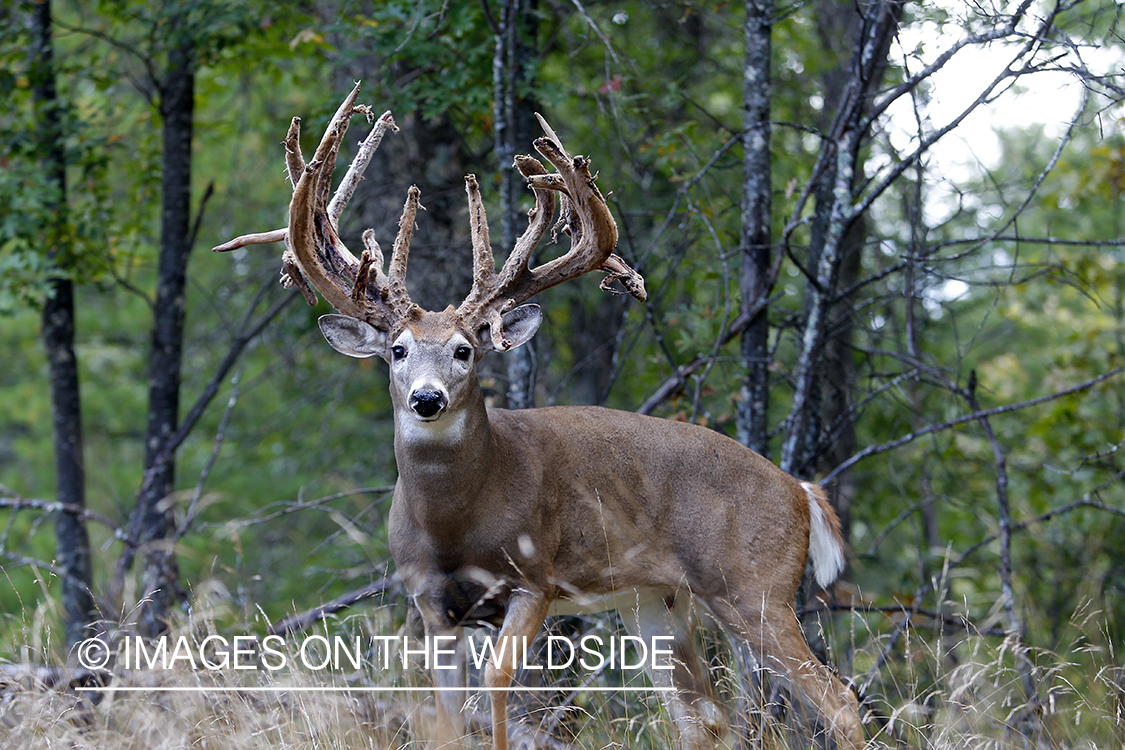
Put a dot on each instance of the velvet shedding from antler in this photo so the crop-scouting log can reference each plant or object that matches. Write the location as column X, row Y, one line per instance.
column 315, row 257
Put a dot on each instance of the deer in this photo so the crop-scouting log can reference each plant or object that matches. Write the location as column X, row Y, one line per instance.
column 504, row 517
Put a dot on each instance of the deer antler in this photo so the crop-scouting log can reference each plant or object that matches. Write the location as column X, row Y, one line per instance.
column 314, row 251
column 585, row 217
column 315, row 254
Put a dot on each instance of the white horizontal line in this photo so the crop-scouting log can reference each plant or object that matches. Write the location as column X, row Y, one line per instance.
column 317, row 689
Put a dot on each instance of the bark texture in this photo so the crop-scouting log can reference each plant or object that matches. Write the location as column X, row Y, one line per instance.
column 517, row 26
column 159, row 577
column 752, row 415
column 72, row 541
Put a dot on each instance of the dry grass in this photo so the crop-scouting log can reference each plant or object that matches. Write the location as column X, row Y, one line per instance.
column 937, row 691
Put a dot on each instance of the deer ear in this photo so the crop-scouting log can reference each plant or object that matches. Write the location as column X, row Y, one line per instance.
column 352, row 336
column 520, row 325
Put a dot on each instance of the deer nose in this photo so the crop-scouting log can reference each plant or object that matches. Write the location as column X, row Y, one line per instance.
column 427, row 403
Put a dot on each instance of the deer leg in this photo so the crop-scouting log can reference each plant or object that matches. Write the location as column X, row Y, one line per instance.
column 449, row 674
column 773, row 632
column 526, row 612
column 666, row 613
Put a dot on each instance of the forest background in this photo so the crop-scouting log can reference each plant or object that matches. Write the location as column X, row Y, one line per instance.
column 882, row 246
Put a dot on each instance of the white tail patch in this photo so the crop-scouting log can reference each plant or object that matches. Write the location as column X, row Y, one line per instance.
column 826, row 546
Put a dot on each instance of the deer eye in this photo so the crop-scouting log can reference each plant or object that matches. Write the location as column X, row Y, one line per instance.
column 398, row 352
column 462, row 353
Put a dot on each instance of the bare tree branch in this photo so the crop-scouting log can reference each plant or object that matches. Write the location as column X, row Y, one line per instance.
column 1086, row 501
column 11, row 499
column 975, row 416
column 247, row 333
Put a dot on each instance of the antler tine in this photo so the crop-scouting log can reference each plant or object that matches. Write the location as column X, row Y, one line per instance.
column 396, row 295
column 485, row 302
column 294, row 161
column 317, row 252
column 588, row 222
column 539, row 218
column 314, row 253
column 359, row 165
column 484, row 262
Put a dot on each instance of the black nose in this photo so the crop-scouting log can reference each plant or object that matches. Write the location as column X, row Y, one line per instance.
column 426, row 403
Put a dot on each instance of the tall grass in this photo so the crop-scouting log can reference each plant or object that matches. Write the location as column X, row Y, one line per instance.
column 937, row 690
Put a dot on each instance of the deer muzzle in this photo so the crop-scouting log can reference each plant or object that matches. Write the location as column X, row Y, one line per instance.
column 428, row 403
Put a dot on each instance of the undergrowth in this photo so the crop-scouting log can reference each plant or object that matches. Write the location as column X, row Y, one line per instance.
column 934, row 690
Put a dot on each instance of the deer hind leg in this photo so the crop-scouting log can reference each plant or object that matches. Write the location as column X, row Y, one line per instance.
column 772, row 630
column 698, row 718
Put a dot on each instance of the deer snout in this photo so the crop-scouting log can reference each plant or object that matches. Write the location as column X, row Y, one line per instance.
column 427, row 402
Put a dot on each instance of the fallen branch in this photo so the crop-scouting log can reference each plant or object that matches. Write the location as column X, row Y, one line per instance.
column 40, row 677
column 302, row 621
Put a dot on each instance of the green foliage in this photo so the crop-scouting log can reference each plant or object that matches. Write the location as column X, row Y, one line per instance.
column 657, row 111
column 39, row 239
column 148, row 31
column 437, row 57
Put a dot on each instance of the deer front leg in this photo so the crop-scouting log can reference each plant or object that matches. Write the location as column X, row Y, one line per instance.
column 449, row 676
column 526, row 612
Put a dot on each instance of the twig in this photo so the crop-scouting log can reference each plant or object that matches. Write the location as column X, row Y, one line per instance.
column 598, row 31
column 210, row 191
column 287, row 507
column 899, row 609
column 975, row 416
column 1086, row 501
column 220, row 435
column 14, row 501
column 1005, row 517
column 672, row 384
column 1015, row 624
column 20, row 560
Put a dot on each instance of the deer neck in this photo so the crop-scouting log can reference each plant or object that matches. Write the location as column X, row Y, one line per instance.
column 443, row 462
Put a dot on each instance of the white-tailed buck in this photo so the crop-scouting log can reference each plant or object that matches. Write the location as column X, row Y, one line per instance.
column 504, row 517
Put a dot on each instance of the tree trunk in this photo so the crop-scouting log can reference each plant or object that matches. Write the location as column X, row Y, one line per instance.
column 831, row 227
column 752, row 410
column 517, row 25
column 72, row 541
column 428, row 153
column 839, row 29
column 159, row 576
column 752, row 414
